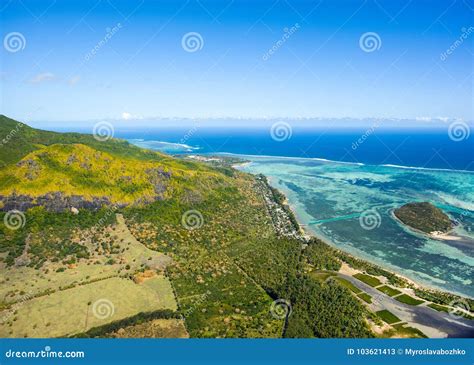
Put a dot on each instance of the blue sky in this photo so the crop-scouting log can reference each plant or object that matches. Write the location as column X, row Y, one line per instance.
column 319, row 69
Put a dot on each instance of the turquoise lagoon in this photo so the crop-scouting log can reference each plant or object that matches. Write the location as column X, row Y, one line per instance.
column 350, row 206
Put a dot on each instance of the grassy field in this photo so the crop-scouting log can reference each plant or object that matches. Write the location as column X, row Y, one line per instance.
column 439, row 308
column 81, row 308
column 388, row 316
column 410, row 332
column 123, row 254
column 404, row 298
column 365, row 297
column 323, row 275
column 369, row 280
column 389, row 290
column 348, row 285
column 227, row 267
column 158, row 328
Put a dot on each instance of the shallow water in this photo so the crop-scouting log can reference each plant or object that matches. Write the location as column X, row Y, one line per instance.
column 351, row 206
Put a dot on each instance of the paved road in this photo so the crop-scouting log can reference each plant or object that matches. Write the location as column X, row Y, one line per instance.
column 427, row 320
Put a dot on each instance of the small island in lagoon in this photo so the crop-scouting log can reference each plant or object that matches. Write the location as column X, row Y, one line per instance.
column 424, row 217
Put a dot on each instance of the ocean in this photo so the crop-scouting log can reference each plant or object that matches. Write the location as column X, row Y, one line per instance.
column 344, row 185
column 408, row 148
column 351, row 205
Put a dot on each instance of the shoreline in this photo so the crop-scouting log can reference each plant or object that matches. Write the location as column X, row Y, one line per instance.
column 436, row 235
column 411, row 283
column 320, row 159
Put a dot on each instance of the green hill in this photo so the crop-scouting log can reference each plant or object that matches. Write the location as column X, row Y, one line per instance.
column 228, row 267
column 53, row 167
column 424, row 216
column 18, row 139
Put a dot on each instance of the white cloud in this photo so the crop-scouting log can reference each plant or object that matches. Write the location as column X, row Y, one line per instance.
column 74, row 80
column 45, row 76
column 128, row 116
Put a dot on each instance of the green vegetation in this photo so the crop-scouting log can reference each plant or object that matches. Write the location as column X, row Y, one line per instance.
column 324, row 310
column 371, row 269
column 408, row 300
column 322, row 275
column 403, row 331
column 348, row 285
column 439, row 308
column 129, row 245
column 18, row 140
column 388, row 316
column 280, row 199
column 365, row 297
column 71, row 311
column 424, row 216
column 439, row 297
column 369, row 280
column 321, row 256
column 108, row 329
column 388, row 290
column 50, row 236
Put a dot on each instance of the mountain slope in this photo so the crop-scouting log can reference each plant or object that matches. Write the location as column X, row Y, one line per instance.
column 62, row 171
column 230, row 267
column 18, row 139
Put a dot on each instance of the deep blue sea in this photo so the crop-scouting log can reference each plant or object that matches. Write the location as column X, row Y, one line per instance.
column 344, row 185
column 418, row 148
